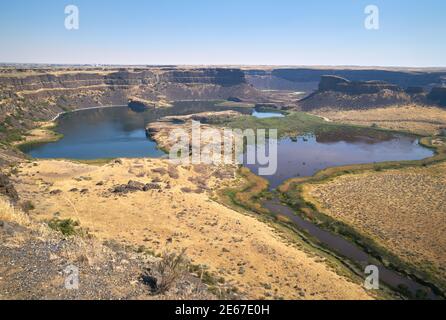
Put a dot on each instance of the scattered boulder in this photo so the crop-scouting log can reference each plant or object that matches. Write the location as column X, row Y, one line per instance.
column 120, row 189
column 134, row 186
column 160, row 171
column 140, row 106
column 173, row 172
column 10, row 228
column 151, row 186
column 7, row 189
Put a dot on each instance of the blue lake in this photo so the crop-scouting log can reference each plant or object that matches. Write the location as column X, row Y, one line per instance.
column 120, row 132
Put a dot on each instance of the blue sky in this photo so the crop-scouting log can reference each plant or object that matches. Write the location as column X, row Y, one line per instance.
column 269, row 32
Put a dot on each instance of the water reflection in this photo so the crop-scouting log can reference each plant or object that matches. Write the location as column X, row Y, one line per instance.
column 266, row 115
column 305, row 155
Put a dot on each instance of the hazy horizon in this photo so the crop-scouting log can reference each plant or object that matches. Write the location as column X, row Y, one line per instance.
column 148, row 65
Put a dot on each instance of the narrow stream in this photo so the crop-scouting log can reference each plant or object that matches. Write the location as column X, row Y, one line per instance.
column 347, row 249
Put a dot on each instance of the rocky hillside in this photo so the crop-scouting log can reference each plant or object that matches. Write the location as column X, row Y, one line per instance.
column 339, row 93
column 38, row 261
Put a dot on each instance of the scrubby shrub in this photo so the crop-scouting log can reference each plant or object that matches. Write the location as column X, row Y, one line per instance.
column 170, row 268
column 67, row 227
column 28, row 206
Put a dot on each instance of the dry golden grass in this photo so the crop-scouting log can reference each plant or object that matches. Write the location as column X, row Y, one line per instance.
column 246, row 252
column 10, row 214
column 402, row 210
column 254, row 186
column 417, row 119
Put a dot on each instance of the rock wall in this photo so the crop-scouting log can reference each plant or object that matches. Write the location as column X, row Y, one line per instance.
column 338, row 84
column 41, row 94
column 401, row 77
column 339, row 93
column 50, row 79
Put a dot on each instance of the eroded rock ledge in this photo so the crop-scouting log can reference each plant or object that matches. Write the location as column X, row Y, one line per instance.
column 340, row 93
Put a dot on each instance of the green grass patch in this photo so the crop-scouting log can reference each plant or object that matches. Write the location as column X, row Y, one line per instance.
column 67, row 227
column 300, row 123
column 233, row 104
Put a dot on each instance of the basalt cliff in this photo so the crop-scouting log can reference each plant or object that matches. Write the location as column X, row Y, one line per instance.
column 307, row 79
column 340, row 93
column 39, row 94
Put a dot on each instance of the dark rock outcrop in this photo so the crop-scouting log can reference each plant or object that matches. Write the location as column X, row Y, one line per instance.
column 338, row 84
column 135, row 186
column 139, row 106
column 339, row 93
column 438, row 96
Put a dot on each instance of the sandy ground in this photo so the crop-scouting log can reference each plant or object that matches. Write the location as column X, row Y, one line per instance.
column 403, row 210
column 247, row 253
column 417, row 119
